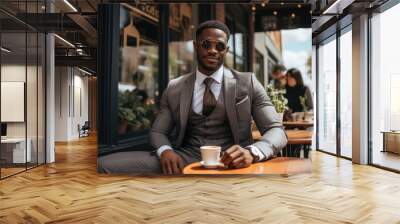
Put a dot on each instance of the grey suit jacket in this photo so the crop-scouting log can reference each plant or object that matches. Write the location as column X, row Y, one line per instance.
column 245, row 98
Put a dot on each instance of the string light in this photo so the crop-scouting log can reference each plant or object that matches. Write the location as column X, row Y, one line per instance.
column 253, row 8
column 293, row 15
column 275, row 13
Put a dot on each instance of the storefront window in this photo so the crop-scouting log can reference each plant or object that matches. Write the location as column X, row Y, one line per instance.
column 235, row 58
column 229, row 58
column 239, row 50
column 259, row 67
column 182, row 30
column 138, row 82
column 327, row 96
column 385, row 84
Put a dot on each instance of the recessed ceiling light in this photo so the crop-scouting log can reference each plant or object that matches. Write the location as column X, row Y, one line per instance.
column 70, row 5
column 65, row 41
column 84, row 71
column 335, row 6
column 5, row 50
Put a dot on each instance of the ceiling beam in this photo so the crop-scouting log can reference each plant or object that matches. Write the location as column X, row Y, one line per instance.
column 81, row 61
column 84, row 24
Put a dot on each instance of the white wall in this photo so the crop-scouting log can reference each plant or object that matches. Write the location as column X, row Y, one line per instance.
column 61, row 103
column 71, row 93
column 33, row 126
column 16, row 73
column 80, row 94
column 12, row 73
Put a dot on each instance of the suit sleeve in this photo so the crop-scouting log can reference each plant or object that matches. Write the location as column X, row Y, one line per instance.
column 163, row 124
column 273, row 137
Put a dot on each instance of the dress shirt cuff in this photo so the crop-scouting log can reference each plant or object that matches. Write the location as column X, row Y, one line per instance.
column 162, row 149
column 261, row 155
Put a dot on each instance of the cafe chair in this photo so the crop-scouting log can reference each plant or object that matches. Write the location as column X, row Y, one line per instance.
column 84, row 130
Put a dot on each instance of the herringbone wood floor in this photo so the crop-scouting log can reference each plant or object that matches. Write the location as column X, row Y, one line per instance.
column 70, row 191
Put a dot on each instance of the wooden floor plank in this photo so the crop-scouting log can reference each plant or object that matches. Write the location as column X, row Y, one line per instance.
column 71, row 191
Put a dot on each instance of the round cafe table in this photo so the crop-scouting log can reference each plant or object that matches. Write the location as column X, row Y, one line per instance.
column 278, row 165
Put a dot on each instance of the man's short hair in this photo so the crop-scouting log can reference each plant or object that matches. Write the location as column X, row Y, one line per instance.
column 278, row 68
column 213, row 24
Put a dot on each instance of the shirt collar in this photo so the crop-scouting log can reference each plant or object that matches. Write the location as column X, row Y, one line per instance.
column 217, row 76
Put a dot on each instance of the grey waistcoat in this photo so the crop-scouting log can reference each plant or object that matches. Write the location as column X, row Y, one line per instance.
column 211, row 130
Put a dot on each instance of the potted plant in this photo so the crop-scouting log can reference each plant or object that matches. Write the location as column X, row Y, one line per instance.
column 133, row 113
column 277, row 99
column 306, row 115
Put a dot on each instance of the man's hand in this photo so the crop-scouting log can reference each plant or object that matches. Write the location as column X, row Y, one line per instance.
column 171, row 162
column 237, row 157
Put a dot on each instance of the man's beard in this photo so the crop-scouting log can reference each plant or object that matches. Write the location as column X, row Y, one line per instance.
column 211, row 69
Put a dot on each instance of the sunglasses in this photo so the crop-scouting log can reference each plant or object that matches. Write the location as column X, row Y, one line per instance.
column 207, row 45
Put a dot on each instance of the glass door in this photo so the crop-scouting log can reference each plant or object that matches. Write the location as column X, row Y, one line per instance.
column 327, row 96
column 22, row 89
column 15, row 149
column 385, row 89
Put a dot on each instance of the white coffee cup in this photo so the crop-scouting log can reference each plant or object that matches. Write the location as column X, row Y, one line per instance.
column 210, row 154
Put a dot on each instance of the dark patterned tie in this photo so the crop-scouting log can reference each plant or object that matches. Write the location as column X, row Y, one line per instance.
column 209, row 101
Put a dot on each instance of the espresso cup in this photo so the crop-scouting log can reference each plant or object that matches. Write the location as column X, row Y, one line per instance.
column 210, row 154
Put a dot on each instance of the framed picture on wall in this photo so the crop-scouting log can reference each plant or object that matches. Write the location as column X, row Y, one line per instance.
column 12, row 101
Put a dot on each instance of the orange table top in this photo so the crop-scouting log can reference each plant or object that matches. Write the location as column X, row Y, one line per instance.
column 279, row 165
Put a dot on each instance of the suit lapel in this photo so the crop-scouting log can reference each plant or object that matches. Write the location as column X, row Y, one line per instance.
column 230, row 95
column 185, row 103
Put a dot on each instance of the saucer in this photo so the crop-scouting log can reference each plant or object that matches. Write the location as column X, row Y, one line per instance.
column 211, row 166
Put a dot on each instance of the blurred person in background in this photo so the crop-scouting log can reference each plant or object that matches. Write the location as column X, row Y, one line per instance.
column 298, row 95
column 278, row 76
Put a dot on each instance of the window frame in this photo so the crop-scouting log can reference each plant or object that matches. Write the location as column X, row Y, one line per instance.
column 336, row 36
column 381, row 9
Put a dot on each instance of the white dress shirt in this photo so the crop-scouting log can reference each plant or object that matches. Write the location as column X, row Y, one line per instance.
column 197, row 101
column 200, row 87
